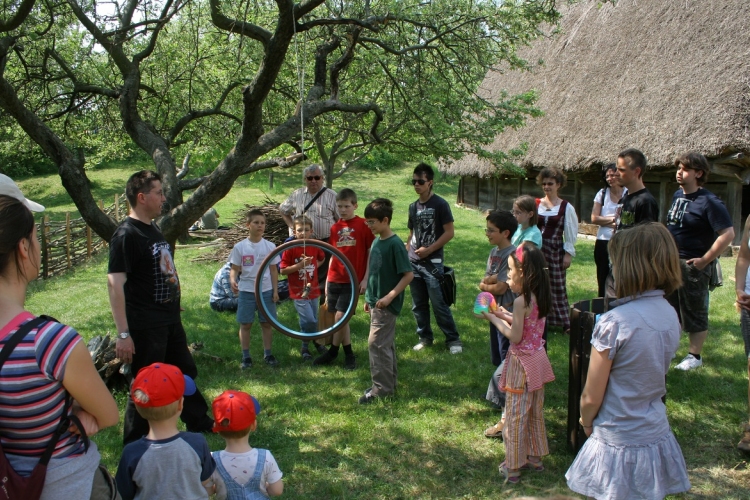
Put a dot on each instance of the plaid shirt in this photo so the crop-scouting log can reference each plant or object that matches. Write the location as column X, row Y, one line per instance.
column 323, row 212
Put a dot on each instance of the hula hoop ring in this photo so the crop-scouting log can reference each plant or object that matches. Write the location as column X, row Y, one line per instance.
column 352, row 279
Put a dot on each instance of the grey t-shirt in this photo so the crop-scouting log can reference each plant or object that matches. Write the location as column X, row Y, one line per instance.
column 497, row 265
column 165, row 468
column 643, row 334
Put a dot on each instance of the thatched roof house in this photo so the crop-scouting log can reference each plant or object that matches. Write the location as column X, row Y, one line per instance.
column 665, row 76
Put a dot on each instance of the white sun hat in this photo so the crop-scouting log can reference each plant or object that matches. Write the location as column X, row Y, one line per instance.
column 9, row 188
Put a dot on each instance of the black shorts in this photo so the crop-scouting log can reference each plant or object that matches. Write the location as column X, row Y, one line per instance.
column 339, row 295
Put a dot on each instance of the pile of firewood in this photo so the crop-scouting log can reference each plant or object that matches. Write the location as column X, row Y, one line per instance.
column 276, row 231
column 113, row 371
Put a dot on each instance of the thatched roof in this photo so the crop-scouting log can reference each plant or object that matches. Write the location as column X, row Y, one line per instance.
column 665, row 76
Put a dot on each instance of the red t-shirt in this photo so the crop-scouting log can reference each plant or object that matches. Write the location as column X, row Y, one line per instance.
column 297, row 280
column 354, row 239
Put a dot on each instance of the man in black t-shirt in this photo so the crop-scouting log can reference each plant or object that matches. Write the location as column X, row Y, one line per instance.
column 638, row 205
column 430, row 229
column 703, row 229
column 144, row 294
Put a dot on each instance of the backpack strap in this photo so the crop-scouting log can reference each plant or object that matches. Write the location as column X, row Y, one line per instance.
column 317, row 195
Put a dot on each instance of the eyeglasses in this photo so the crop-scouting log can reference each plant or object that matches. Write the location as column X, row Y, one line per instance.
column 489, row 231
column 370, row 222
column 421, row 182
column 517, row 212
column 313, row 177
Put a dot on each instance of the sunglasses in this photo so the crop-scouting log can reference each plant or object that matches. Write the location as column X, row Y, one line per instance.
column 421, row 182
column 313, row 177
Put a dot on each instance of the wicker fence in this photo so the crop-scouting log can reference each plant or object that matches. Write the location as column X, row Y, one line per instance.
column 68, row 243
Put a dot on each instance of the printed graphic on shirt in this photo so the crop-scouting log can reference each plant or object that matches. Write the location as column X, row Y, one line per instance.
column 424, row 228
column 677, row 211
column 248, row 260
column 307, row 273
column 167, row 283
column 624, row 217
column 495, row 262
column 345, row 238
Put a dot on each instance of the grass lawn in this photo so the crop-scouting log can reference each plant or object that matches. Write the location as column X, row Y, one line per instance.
column 428, row 441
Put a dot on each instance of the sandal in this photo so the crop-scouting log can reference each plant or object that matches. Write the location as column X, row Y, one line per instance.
column 496, row 431
column 512, row 477
column 537, row 466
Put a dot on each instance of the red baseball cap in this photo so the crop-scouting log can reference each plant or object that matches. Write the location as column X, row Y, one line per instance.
column 235, row 409
column 163, row 384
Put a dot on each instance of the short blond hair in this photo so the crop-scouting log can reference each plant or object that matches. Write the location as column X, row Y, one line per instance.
column 644, row 257
column 155, row 413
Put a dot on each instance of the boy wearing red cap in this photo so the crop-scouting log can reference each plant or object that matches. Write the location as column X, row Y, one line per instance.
column 166, row 463
column 242, row 472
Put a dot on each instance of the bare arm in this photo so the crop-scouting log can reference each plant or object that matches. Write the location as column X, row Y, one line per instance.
column 288, row 220
column 601, row 220
column 513, row 331
column 236, row 271
column 86, row 386
column 275, row 489
column 596, row 384
column 124, row 348
column 496, row 288
column 363, row 283
column 275, row 282
column 722, row 242
column 740, row 269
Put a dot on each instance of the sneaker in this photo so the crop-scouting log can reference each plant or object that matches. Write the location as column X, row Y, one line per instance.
column 744, row 444
column 422, row 344
column 305, row 352
column 246, row 363
column 350, row 363
column 325, row 359
column 368, row 391
column 689, row 363
column 271, row 360
column 320, row 348
column 368, row 398
column 456, row 349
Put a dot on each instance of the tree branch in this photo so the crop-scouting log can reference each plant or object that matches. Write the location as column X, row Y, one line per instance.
column 23, row 11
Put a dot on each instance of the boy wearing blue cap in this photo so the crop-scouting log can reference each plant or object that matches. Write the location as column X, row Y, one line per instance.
column 166, row 463
column 242, row 472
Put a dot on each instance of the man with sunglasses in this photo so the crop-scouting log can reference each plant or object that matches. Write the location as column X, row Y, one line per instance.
column 317, row 202
column 430, row 229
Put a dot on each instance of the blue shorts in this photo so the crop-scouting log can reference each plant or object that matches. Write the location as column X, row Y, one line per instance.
column 246, row 307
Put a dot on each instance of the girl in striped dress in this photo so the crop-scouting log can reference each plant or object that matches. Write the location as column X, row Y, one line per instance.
column 527, row 367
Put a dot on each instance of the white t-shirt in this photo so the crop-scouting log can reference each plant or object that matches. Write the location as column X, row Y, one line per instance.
column 250, row 255
column 241, row 466
column 608, row 208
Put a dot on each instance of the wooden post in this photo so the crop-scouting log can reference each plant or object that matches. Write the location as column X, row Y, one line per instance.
column 117, row 207
column 89, row 242
column 734, row 207
column 476, row 192
column 67, row 238
column 494, row 184
column 577, row 196
column 270, row 179
column 45, row 247
column 664, row 202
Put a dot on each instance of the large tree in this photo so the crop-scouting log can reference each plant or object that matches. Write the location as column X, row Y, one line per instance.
column 173, row 71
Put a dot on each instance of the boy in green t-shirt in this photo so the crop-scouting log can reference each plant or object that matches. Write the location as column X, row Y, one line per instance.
column 390, row 273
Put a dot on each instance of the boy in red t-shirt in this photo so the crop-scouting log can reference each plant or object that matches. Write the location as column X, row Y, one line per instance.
column 353, row 238
column 300, row 265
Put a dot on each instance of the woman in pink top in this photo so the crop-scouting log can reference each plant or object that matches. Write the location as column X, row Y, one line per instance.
column 49, row 366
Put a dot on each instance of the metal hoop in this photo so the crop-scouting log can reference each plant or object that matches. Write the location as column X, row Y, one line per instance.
column 308, row 335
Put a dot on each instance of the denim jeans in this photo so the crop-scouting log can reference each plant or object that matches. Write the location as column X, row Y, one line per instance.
column 307, row 309
column 425, row 290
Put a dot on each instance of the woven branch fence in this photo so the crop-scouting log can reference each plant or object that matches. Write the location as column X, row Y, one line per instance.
column 67, row 243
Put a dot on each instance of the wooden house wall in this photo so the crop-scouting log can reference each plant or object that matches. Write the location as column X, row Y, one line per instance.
column 499, row 193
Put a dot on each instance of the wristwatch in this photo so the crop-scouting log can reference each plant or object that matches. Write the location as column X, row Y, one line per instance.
column 123, row 335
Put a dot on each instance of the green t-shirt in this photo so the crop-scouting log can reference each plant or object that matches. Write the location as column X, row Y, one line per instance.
column 388, row 264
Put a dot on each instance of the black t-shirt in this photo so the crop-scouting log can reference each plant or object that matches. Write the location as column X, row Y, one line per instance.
column 152, row 290
column 426, row 220
column 636, row 208
column 694, row 219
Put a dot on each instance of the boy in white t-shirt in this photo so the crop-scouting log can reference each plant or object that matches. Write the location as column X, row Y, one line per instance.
column 246, row 258
column 242, row 471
